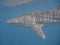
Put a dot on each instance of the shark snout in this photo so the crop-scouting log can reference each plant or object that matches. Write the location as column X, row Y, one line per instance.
column 8, row 21
column 15, row 20
column 12, row 21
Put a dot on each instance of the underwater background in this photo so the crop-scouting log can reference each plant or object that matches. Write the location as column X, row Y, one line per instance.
column 15, row 34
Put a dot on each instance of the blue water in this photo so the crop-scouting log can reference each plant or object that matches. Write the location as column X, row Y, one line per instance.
column 11, row 34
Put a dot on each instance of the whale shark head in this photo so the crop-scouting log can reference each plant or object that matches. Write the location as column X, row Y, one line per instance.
column 24, row 20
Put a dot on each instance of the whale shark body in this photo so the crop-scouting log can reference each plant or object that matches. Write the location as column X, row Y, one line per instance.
column 37, row 19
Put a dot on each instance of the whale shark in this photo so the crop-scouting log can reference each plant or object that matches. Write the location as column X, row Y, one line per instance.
column 37, row 19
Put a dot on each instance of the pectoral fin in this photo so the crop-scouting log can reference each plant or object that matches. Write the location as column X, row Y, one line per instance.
column 38, row 29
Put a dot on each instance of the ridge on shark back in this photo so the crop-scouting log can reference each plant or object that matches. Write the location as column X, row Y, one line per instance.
column 36, row 20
